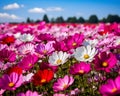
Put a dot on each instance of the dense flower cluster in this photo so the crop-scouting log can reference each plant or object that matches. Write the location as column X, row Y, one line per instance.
column 60, row 59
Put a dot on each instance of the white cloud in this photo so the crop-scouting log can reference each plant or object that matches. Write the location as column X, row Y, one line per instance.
column 9, row 16
column 12, row 6
column 54, row 9
column 37, row 10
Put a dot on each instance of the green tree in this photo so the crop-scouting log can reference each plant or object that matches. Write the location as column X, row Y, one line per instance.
column 93, row 19
column 28, row 20
column 72, row 20
column 81, row 20
column 59, row 20
column 113, row 18
column 45, row 18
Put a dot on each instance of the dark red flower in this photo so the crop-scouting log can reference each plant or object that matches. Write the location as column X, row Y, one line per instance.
column 42, row 77
column 8, row 40
column 15, row 69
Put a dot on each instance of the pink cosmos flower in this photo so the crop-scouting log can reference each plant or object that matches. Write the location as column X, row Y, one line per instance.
column 63, row 83
column 45, row 49
column 74, row 41
column 2, row 46
column 81, row 68
column 104, row 61
column 26, row 48
column 28, row 93
column 111, row 88
column 11, row 82
column 7, row 56
column 28, row 62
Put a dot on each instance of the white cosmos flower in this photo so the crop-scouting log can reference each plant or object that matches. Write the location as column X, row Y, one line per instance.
column 91, row 42
column 28, row 77
column 26, row 37
column 85, row 53
column 58, row 58
column 17, row 35
column 26, row 48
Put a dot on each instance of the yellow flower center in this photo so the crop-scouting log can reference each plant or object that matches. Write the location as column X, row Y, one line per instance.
column 11, row 84
column 74, row 44
column 43, row 81
column 44, row 51
column 65, row 86
column 30, row 65
column 59, row 61
column 81, row 71
column 104, row 64
column 86, row 56
column 114, row 90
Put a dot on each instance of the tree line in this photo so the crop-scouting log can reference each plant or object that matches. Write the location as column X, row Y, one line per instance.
column 92, row 19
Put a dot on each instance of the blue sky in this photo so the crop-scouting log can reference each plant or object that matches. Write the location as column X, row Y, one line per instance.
column 19, row 10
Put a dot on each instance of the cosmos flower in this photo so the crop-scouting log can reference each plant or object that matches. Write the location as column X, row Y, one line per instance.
column 8, row 40
column 45, row 49
column 26, row 37
column 28, row 77
column 46, row 37
column 11, row 82
column 45, row 65
column 2, row 46
column 92, row 42
column 85, row 53
column 28, row 62
column 80, row 68
column 15, row 69
column 111, row 88
column 60, row 46
column 26, row 48
column 58, row 58
column 42, row 77
column 7, row 55
column 28, row 93
column 63, row 83
column 105, row 61
column 74, row 41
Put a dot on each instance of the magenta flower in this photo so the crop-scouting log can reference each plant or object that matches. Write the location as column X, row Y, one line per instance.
column 45, row 49
column 28, row 62
column 45, row 65
column 46, row 37
column 74, row 41
column 28, row 93
column 104, row 61
column 81, row 68
column 60, row 46
column 111, row 88
column 11, row 82
column 7, row 56
column 63, row 83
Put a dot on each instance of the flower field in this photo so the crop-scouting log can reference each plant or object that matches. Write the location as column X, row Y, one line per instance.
column 60, row 59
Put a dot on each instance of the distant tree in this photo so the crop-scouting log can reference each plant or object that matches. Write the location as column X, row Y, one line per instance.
column 52, row 20
column 72, row 20
column 93, row 19
column 103, row 20
column 81, row 20
column 45, row 18
column 37, row 21
column 59, row 20
column 113, row 18
column 28, row 20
